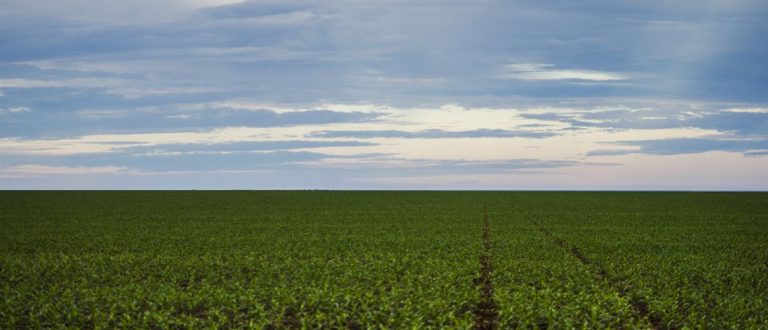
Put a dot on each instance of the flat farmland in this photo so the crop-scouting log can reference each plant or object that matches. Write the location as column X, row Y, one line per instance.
column 343, row 259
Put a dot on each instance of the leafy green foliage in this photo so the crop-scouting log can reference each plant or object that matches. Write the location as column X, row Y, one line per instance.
column 698, row 260
column 381, row 259
column 236, row 259
column 538, row 284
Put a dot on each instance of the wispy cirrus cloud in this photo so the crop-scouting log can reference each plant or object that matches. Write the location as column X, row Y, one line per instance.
column 433, row 134
column 14, row 110
column 751, row 121
column 538, row 71
column 747, row 110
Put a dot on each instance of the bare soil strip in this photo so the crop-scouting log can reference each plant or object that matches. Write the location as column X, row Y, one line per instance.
column 486, row 311
column 639, row 307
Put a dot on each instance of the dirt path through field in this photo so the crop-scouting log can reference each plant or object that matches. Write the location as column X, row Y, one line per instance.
column 486, row 311
column 639, row 307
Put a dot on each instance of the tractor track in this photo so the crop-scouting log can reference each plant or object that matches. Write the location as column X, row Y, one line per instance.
column 639, row 307
column 486, row 310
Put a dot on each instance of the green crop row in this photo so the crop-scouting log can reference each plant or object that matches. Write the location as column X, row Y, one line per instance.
column 539, row 284
column 257, row 260
column 698, row 260
column 284, row 259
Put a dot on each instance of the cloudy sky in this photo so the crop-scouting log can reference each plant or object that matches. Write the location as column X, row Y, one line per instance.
column 225, row 94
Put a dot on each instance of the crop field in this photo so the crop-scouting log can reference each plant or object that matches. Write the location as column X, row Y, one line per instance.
column 358, row 260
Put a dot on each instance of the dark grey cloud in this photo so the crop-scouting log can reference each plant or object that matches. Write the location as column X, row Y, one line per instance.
column 433, row 134
column 736, row 122
column 686, row 146
column 346, row 51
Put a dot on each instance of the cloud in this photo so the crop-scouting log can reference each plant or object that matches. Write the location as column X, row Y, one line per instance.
column 15, row 110
column 184, row 161
column 64, row 83
column 222, row 161
column 234, row 147
column 167, row 119
column 685, row 146
column 285, row 176
column 276, row 19
column 261, row 8
column 126, row 88
column 354, row 165
column 748, row 123
column 382, row 163
column 231, row 85
column 432, row 134
column 37, row 169
column 227, row 139
column 19, row 109
column 323, row 49
column 728, row 121
column 110, row 11
column 610, row 119
column 537, row 71
column 747, row 110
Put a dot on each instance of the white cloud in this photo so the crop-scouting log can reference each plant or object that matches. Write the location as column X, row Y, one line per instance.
column 139, row 92
column 527, row 67
column 377, row 76
column 567, row 145
column 111, row 11
column 297, row 17
column 35, row 169
column 61, row 83
column 540, row 71
column 246, row 105
column 103, row 113
column 14, row 110
column 748, row 110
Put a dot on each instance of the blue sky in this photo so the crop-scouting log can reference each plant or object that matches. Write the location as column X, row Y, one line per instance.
column 224, row 94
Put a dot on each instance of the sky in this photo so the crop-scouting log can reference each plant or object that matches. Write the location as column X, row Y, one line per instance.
column 444, row 95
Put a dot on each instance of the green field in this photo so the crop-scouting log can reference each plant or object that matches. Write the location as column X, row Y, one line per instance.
column 293, row 259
